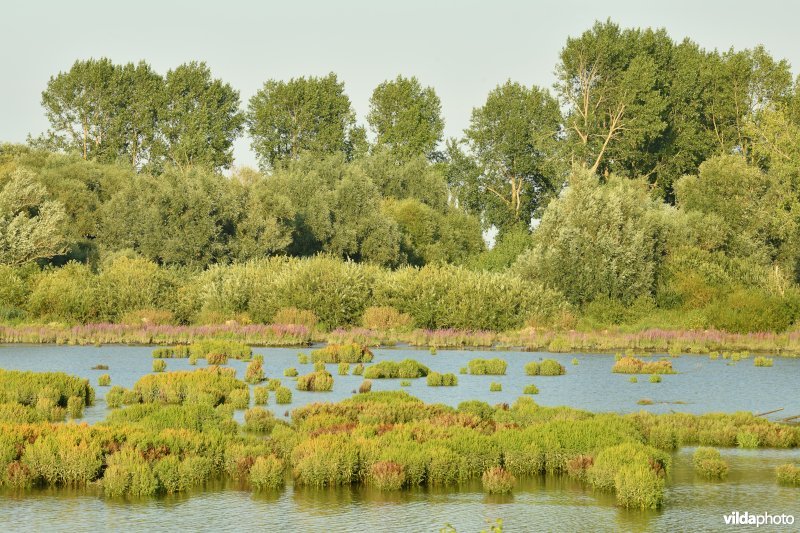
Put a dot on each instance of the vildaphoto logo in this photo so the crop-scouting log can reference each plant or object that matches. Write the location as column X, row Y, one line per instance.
column 763, row 519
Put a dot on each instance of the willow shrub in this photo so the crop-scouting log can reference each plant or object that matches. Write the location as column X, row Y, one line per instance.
column 407, row 369
column 455, row 297
column 259, row 420
column 493, row 367
column 293, row 315
column 337, row 292
column 342, row 353
column 386, row 318
column 318, row 381
column 634, row 471
column 211, row 385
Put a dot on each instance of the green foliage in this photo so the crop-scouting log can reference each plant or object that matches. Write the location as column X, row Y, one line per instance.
column 104, row 380
column 494, row 367
column 266, row 473
column 159, row 365
column 287, row 119
column 386, row 319
column 290, row 372
column 318, row 381
column 618, row 261
column 495, row 387
column 788, row 474
column 406, row 118
column 548, row 367
column 342, row 353
column 28, row 388
column 259, row 420
column 530, row 389
column 633, row 365
column 261, row 395
column 435, row 379
column 407, row 369
column 283, row 395
column 655, row 378
column 762, row 361
column 497, row 480
column 344, row 369
column 708, row 463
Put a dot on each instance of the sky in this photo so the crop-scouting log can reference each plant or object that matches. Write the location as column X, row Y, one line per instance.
column 462, row 48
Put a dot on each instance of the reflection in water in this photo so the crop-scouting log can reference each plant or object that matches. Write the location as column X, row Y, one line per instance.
column 547, row 503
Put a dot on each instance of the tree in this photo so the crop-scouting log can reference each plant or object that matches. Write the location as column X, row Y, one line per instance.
column 612, row 83
column 314, row 115
column 31, row 225
column 598, row 240
column 514, row 139
column 406, row 118
column 201, row 118
column 413, row 178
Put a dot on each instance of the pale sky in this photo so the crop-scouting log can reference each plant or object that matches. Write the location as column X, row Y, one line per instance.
column 462, row 48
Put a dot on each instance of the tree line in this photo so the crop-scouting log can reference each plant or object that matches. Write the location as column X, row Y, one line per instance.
column 655, row 178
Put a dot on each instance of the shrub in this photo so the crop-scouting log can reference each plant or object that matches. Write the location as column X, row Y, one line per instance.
column 788, row 474
column 633, row 379
column 435, row 379
column 266, row 473
column 215, row 358
column 293, row 315
column 174, row 352
column 104, row 380
column 273, row 384
column 239, row 398
column 259, row 420
column 290, row 372
column 344, row 369
column 639, row 487
column 114, row 396
column 495, row 387
column 632, row 365
column 193, row 360
column 283, row 395
column 762, row 361
column 302, row 359
column 319, row 366
column 634, row 471
column 530, row 389
column 405, row 383
column 255, row 371
column 318, row 381
column 709, row 463
column 159, row 365
column 358, row 369
column 219, row 348
column 747, row 439
column 655, row 378
column 493, row 367
column 386, row 475
column 497, row 480
column 27, row 388
column 548, row 367
column 75, row 406
column 365, row 386
column 342, row 353
column 386, row 319
column 260, row 395
column 407, row 369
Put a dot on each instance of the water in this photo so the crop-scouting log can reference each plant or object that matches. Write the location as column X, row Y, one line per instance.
column 701, row 385
column 541, row 504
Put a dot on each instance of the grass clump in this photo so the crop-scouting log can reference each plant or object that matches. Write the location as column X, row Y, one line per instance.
column 260, row 395
column 239, row 398
column 358, row 370
column 435, row 379
column 159, row 365
column 634, row 471
column 283, row 395
column 530, row 389
column 104, row 380
column 290, row 372
column 492, row 367
column 318, row 381
column 273, row 384
column 212, row 386
column 344, row 369
column 548, row 367
column 655, row 378
column 407, row 369
column 343, row 353
column 762, row 361
column 302, row 359
column 405, row 383
column 495, row 387
column 498, row 480
column 386, row 475
column 28, row 388
column 366, row 386
column 788, row 474
column 633, row 379
column 709, row 463
column 575, row 361
column 219, row 350
column 633, row 365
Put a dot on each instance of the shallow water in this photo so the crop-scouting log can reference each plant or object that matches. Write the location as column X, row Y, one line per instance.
column 539, row 504
column 701, row 385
